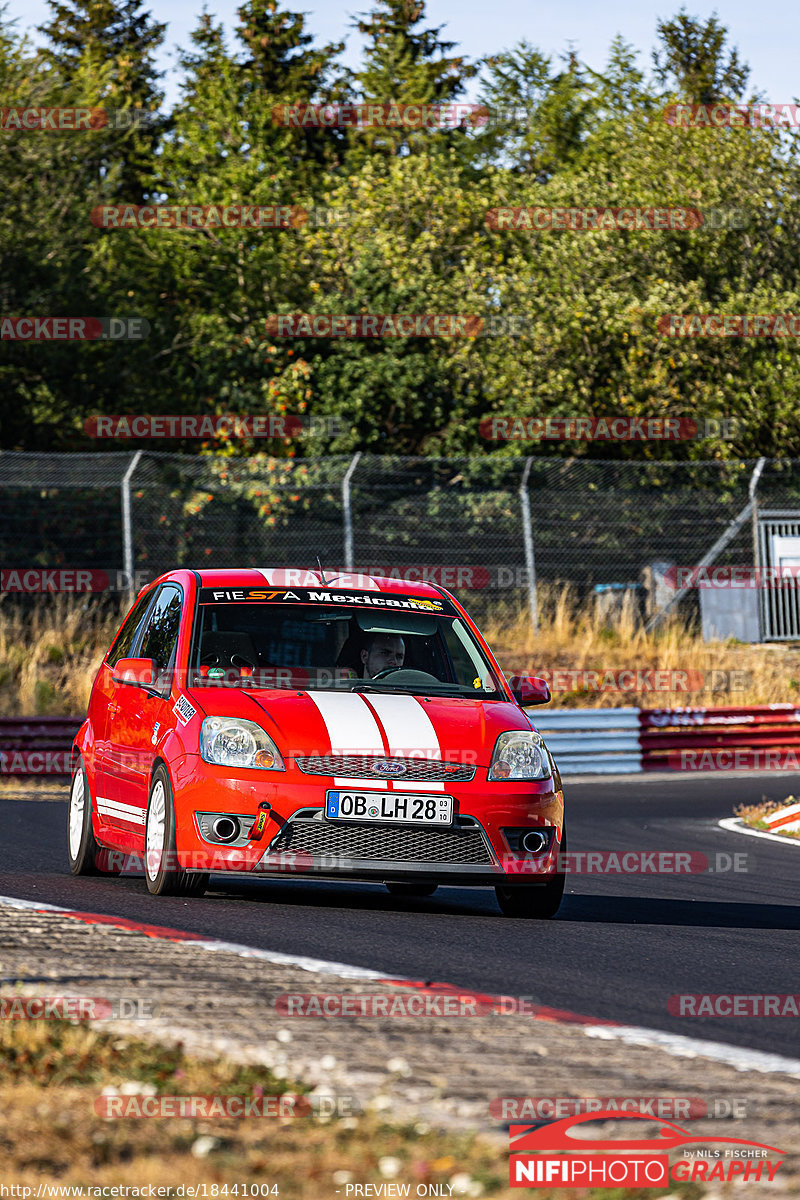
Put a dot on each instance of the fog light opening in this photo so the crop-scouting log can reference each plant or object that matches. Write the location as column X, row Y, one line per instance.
column 534, row 841
column 226, row 829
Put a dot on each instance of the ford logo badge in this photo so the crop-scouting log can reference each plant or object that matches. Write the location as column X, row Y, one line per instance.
column 388, row 768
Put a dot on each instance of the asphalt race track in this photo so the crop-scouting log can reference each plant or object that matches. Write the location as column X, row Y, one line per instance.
column 619, row 948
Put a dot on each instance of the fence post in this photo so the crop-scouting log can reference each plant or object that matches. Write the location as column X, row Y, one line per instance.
column 348, row 512
column 713, row 554
column 127, row 525
column 527, row 541
column 752, row 492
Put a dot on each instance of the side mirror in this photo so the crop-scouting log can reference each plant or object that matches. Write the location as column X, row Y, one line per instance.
column 138, row 672
column 529, row 689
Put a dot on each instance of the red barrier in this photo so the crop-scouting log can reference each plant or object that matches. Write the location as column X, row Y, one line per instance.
column 756, row 714
column 36, row 745
column 664, row 733
column 41, row 745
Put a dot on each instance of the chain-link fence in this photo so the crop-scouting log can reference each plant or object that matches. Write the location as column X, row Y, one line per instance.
column 486, row 527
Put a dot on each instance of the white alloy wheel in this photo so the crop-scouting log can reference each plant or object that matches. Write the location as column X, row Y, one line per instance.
column 156, row 828
column 77, row 806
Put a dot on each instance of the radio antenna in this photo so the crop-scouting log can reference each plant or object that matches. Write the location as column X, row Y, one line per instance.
column 322, row 573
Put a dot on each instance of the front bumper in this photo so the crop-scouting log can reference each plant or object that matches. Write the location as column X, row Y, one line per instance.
column 298, row 840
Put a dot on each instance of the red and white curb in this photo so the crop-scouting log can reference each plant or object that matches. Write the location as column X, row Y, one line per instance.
column 679, row 1045
column 737, row 825
column 787, row 819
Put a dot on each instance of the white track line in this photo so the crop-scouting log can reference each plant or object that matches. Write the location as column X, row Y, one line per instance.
column 679, row 1045
column 691, row 1047
column 737, row 825
column 344, row 970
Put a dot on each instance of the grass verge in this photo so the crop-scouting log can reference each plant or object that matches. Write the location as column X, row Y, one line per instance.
column 51, row 1073
column 573, row 637
column 756, row 816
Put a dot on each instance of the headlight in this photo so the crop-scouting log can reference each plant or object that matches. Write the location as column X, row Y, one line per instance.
column 232, row 742
column 519, row 754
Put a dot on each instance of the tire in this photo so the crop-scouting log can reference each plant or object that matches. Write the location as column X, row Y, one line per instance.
column 534, row 903
column 82, row 847
column 411, row 891
column 162, row 874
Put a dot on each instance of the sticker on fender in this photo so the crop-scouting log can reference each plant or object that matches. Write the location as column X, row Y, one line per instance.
column 183, row 710
column 389, row 806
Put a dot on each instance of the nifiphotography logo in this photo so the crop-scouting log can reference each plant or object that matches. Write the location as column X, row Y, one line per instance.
column 573, row 1158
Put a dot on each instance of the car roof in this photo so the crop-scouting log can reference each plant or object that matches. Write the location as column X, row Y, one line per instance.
column 302, row 577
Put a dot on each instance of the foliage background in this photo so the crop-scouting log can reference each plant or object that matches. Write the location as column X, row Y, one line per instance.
column 413, row 238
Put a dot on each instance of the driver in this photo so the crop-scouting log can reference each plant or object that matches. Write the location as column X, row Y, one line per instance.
column 381, row 652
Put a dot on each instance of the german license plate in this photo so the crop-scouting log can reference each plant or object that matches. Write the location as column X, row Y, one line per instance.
column 402, row 807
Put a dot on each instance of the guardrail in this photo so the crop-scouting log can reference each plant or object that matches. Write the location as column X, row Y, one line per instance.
column 583, row 740
column 686, row 738
column 602, row 741
column 36, row 745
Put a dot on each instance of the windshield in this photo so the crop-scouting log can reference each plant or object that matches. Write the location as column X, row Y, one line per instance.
column 344, row 641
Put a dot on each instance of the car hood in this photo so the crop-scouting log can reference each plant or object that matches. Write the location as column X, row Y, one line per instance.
column 388, row 724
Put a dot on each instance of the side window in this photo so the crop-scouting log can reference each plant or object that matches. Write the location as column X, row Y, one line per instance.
column 161, row 632
column 124, row 640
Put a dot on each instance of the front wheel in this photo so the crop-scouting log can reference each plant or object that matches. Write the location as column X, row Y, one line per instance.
column 81, row 844
column 163, row 875
column 534, row 903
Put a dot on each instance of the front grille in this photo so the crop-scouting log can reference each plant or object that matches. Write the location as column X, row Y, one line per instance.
column 360, row 766
column 407, row 843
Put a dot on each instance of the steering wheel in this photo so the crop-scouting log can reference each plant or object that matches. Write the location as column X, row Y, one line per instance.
column 213, row 658
column 416, row 677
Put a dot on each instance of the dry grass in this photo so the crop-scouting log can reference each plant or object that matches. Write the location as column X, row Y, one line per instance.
column 756, row 814
column 51, row 648
column 52, row 1071
column 50, row 651
column 572, row 637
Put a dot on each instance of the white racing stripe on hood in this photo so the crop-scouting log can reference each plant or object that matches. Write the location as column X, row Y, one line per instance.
column 268, row 575
column 352, row 729
column 409, row 732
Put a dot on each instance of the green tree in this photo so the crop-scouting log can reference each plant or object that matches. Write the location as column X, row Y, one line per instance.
column 110, row 45
column 405, row 62
column 693, row 55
